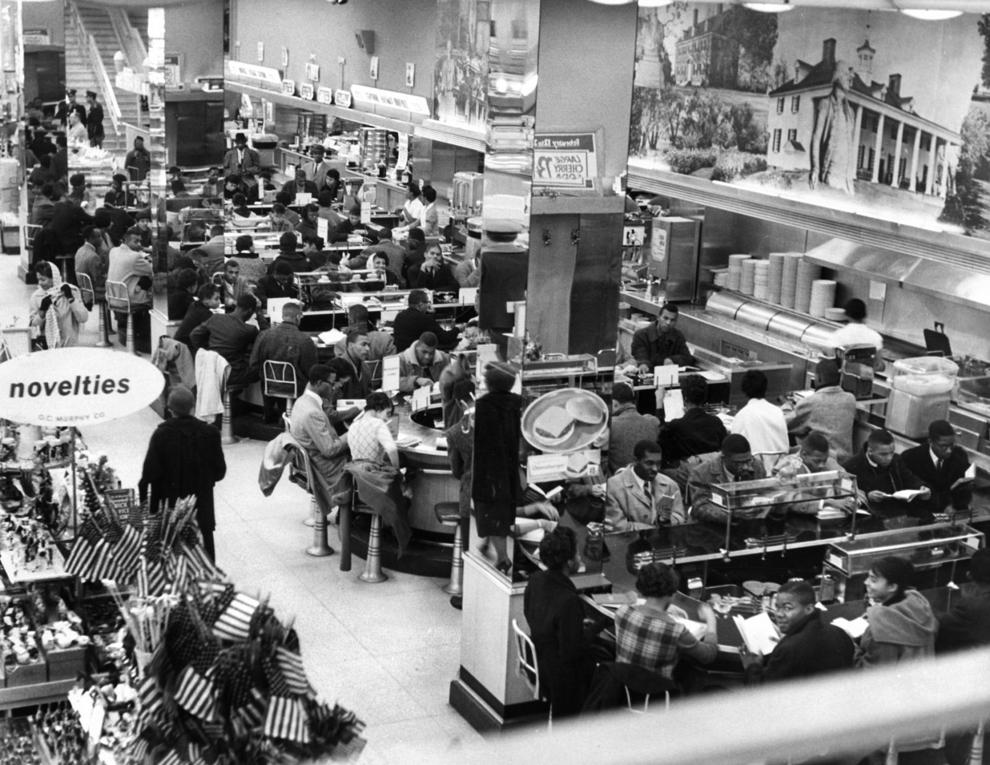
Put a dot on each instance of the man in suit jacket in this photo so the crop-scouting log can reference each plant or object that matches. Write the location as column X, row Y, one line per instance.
column 942, row 466
column 184, row 458
column 310, row 426
column 639, row 496
column 241, row 159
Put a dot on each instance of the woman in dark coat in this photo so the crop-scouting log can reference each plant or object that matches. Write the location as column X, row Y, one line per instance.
column 496, row 489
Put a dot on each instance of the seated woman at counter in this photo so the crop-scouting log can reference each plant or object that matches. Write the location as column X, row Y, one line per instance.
column 555, row 614
column 649, row 638
column 240, row 208
column 639, row 496
column 412, row 208
column 734, row 462
column 369, row 437
column 353, row 227
column 880, row 473
column 280, row 220
column 307, row 227
column 762, row 423
column 379, row 263
column 433, row 273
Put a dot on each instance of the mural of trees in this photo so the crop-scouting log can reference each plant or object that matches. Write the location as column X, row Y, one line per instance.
column 964, row 205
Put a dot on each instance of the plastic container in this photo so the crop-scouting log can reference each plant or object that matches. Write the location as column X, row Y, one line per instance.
column 925, row 365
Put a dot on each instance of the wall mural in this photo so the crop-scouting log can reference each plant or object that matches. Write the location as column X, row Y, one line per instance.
column 460, row 75
column 853, row 110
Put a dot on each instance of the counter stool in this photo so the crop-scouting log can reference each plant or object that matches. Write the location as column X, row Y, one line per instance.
column 310, row 519
column 278, row 380
column 644, row 684
column 449, row 514
column 227, row 421
column 528, row 666
column 119, row 301
column 303, row 477
column 372, row 573
column 89, row 298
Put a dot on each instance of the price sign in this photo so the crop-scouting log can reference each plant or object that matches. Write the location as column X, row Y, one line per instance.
column 324, row 95
column 566, row 160
column 306, row 90
column 288, row 87
column 342, row 98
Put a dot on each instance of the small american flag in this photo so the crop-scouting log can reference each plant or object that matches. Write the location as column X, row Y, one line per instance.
column 195, row 694
column 126, row 553
column 234, row 623
column 286, row 719
column 291, row 664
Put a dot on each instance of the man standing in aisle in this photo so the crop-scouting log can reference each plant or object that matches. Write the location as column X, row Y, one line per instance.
column 184, row 458
column 661, row 343
column 137, row 163
column 241, row 159
column 309, row 425
column 94, row 121
column 284, row 342
column 943, row 467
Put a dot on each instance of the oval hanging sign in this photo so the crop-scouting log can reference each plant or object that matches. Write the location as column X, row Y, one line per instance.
column 76, row 386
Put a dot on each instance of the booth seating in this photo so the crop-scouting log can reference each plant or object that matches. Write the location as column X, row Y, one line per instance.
column 89, row 298
column 119, row 301
column 449, row 514
column 528, row 667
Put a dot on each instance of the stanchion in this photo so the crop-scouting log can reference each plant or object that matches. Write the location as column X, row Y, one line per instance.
column 320, row 547
column 226, row 424
column 373, row 573
column 104, row 341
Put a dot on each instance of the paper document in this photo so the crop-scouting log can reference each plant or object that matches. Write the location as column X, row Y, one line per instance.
column 615, row 599
column 906, row 495
column 698, row 629
column 759, row 633
column 390, row 373
column 854, row 628
column 665, row 375
column 673, row 405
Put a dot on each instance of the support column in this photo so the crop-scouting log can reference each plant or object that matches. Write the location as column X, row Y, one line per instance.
column 895, row 171
column 944, row 176
column 932, row 162
column 857, row 129
column 877, row 151
column 915, row 150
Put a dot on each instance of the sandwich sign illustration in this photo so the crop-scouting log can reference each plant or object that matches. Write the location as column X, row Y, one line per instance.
column 565, row 420
column 76, row 386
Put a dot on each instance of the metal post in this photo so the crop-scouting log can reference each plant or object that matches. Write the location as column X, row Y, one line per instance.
column 455, row 586
column 130, row 333
column 320, row 548
column 372, row 573
column 104, row 339
column 344, row 528
column 226, row 425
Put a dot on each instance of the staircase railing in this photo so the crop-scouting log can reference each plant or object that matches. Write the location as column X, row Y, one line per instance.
column 131, row 42
column 92, row 51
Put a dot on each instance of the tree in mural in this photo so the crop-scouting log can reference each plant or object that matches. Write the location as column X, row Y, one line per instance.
column 984, row 26
column 964, row 205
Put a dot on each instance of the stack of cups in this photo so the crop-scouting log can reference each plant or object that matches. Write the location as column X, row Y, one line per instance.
column 788, row 279
column 807, row 272
column 735, row 271
column 775, row 273
column 721, row 279
column 822, row 297
column 748, row 281
column 760, row 286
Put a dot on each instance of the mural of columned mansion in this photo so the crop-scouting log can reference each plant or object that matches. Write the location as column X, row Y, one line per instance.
column 893, row 144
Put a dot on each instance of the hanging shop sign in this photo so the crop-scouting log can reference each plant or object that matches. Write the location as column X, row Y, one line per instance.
column 324, row 95
column 306, row 90
column 76, row 386
column 568, row 160
column 37, row 37
column 288, row 87
column 252, row 74
column 342, row 98
column 389, row 102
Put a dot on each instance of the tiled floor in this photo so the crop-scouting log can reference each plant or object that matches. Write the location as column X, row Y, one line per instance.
column 386, row 651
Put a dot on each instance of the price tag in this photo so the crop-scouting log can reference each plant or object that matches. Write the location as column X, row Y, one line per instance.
column 421, row 399
column 366, row 212
column 306, row 90
column 322, row 228
column 673, row 405
column 467, row 295
column 303, row 198
column 342, row 98
column 324, row 95
column 665, row 375
column 288, row 87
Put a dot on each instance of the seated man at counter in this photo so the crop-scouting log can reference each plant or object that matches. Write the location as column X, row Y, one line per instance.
column 421, row 364
column 639, row 496
column 808, row 646
column 555, row 614
column 661, row 343
column 309, row 425
column 762, row 423
column 290, row 254
column 280, row 219
column 299, row 185
column 857, row 333
column 433, row 273
column 128, row 264
column 829, row 410
column 943, row 467
column 353, row 226
column 358, row 319
column 202, row 308
column 356, row 356
column 685, row 439
column 307, row 226
column 734, row 462
column 649, row 638
column 284, row 342
column 812, row 457
column 395, row 253
column 412, row 322
column 278, row 285
column 232, row 285
column 628, row 427
column 880, row 473
column 468, row 271
column 231, row 336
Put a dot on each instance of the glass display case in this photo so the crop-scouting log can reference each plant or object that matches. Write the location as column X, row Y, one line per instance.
column 848, row 562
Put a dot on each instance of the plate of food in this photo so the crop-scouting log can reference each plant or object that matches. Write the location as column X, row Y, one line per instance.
column 565, row 420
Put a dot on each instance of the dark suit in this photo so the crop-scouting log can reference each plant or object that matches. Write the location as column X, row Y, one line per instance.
column 184, row 458
column 411, row 323
column 555, row 614
column 251, row 162
column 327, row 452
column 811, row 647
column 918, row 460
column 651, row 347
column 894, row 477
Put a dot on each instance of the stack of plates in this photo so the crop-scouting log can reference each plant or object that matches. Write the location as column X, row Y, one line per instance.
column 735, row 271
column 807, row 272
column 721, row 278
column 760, row 278
column 748, row 280
column 788, row 278
column 822, row 297
column 775, row 273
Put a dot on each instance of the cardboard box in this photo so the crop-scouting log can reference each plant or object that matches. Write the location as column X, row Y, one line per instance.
column 65, row 663
column 26, row 674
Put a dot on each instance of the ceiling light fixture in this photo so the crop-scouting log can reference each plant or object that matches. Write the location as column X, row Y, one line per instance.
column 930, row 14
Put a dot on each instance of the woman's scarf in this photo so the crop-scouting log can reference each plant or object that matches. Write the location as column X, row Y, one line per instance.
column 50, row 327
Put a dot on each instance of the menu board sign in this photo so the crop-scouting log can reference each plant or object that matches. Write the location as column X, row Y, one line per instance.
column 288, row 87
column 567, row 160
column 324, row 95
column 342, row 98
column 306, row 90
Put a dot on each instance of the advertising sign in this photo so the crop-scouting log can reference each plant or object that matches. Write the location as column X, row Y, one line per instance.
column 76, row 386
column 565, row 160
